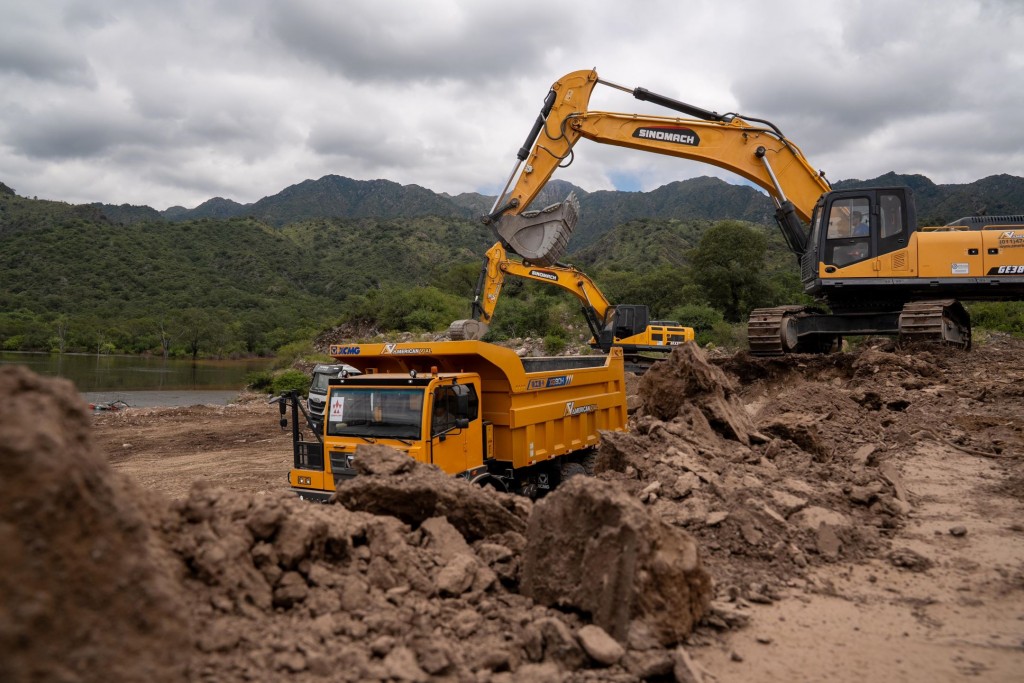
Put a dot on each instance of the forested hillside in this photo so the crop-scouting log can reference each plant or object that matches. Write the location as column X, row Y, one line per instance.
column 226, row 278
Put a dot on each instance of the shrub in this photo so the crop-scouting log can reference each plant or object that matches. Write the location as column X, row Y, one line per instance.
column 702, row 319
column 290, row 380
column 261, row 380
column 554, row 344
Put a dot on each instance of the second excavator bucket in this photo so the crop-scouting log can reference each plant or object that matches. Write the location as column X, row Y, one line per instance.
column 541, row 236
column 462, row 330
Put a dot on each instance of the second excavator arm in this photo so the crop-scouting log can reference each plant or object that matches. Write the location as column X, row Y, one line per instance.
column 752, row 148
column 497, row 264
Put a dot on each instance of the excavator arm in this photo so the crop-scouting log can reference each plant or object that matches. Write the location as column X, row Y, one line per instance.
column 752, row 148
column 497, row 265
column 626, row 326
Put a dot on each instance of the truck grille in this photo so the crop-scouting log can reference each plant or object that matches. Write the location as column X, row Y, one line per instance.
column 340, row 462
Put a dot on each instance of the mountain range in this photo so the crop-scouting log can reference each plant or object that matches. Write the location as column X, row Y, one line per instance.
column 334, row 196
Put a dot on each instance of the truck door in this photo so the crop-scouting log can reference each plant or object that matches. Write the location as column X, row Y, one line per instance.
column 455, row 436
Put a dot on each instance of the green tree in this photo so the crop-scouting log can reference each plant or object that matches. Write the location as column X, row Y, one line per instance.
column 728, row 264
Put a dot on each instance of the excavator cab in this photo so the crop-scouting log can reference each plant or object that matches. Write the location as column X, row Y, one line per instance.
column 850, row 227
column 622, row 321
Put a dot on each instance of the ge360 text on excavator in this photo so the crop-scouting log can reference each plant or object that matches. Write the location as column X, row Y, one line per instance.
column 863, row 256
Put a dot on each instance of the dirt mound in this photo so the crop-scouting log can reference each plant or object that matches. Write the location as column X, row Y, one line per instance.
column 419, row 579
column 89, row 592
column 593, row 548
column 768, row 488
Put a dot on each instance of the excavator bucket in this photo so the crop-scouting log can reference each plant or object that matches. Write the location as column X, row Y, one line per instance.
column 541, row 236
column 463, row 330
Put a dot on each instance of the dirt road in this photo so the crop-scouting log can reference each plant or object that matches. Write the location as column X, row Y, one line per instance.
column 870, row 529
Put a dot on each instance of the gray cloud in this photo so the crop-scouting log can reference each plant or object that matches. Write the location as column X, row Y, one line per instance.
column 163, row 103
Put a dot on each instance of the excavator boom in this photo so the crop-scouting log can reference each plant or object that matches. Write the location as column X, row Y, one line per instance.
column 753, row 149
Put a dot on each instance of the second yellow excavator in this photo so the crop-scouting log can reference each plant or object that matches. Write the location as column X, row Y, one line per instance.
column 864, row 258
column 625, row 326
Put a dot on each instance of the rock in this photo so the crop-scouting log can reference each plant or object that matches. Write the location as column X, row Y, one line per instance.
column 685, row 484
column 686, row 385
column 799, row 428
column 827, row 542
column 291, row 588
column 716, row 518
column 892, row 475
column 862, row 456
column 905, row 558
column 601, row 647
column 401, row 665
column 649, row 665
column 863, row 495
column 813, row 517
column 457, row 576
column 444, row 539
column 786, row 502
column 414, row 492
column 685, row 669
column 958, row 531
column 592, row 547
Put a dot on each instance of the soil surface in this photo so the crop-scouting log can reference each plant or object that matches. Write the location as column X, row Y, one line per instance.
column 858, row 515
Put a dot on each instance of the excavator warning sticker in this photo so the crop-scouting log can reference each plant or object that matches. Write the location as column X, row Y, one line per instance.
column 675, row 134
column 1011, row 238
column 547, row 383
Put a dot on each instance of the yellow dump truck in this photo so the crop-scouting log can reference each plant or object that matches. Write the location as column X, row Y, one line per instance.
column 474, row 409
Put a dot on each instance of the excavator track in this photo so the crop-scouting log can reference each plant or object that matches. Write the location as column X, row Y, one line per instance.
column 768, row 333
column 941, row 320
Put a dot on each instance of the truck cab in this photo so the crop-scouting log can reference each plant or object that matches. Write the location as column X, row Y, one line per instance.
column 434, row 419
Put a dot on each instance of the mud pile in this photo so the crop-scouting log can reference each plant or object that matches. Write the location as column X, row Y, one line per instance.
column 411, row 575
column 89, row 591
column 768, row 487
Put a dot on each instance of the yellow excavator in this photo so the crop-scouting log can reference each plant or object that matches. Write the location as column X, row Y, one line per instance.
column 626, row 326
column 863, row 257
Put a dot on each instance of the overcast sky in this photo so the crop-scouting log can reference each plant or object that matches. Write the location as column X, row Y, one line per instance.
column 172, row 102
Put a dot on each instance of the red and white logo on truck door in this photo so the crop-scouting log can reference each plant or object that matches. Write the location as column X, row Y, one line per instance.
column 337, row 409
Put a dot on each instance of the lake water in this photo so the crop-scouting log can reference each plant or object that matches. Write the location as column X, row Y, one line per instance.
column 143, row 381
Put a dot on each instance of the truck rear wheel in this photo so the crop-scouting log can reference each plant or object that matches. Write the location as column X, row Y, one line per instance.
column 572, row 469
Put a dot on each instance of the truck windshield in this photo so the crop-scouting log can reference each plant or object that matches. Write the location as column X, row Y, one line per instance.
column 375, row 412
